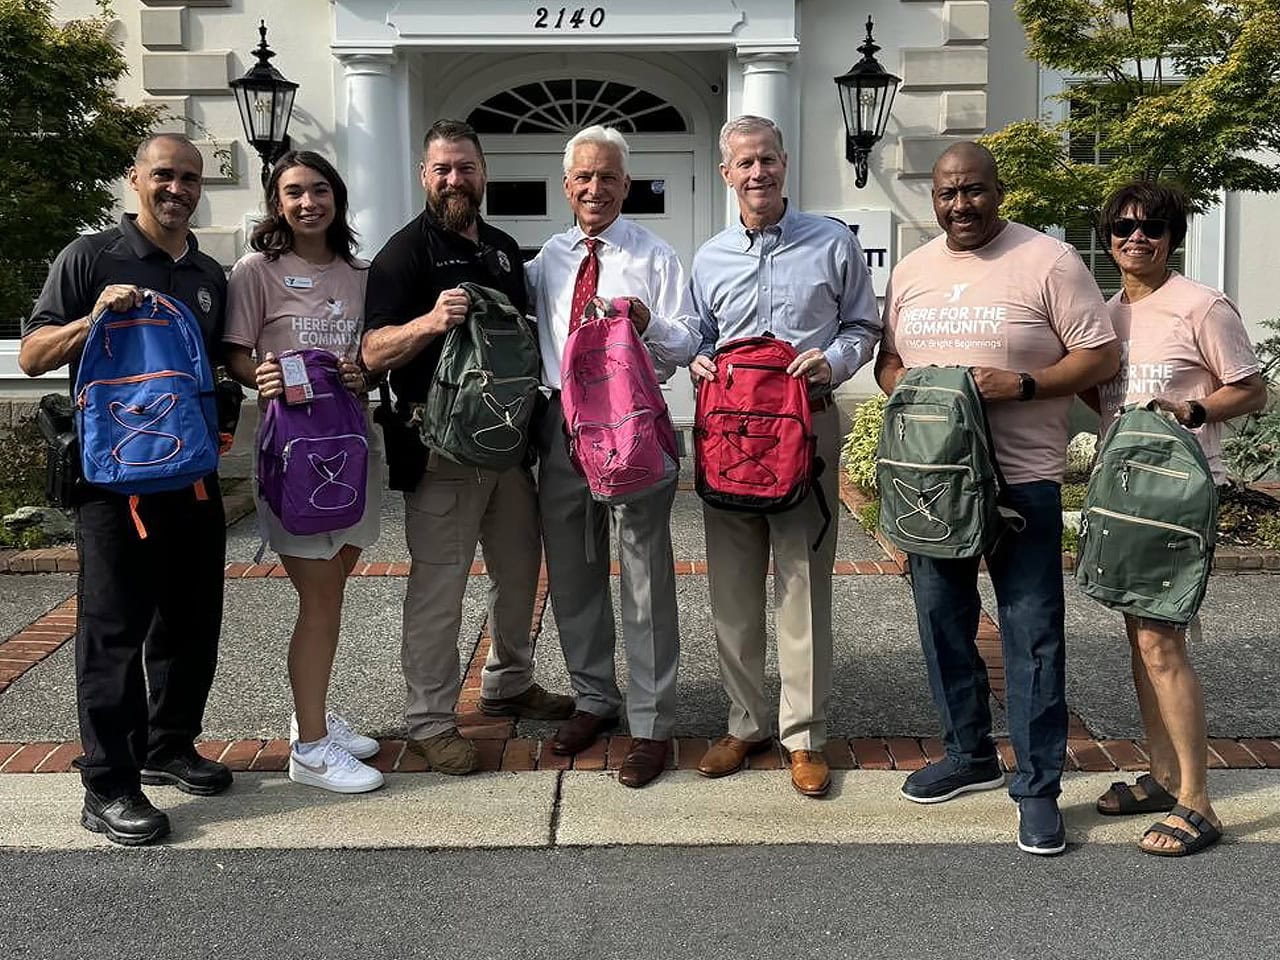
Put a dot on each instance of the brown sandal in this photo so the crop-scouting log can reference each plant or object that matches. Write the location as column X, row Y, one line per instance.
column 1157, row 800
column 1206, row 834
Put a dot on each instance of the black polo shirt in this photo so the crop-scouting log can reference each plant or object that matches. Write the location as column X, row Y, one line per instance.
column 123, row 254
column 416, row 265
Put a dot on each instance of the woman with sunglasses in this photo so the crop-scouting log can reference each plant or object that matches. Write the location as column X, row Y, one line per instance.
column 302, row 287
column 1185, row 346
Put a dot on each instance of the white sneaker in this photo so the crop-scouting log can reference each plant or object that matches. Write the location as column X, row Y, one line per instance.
column 333, row 768
column 359, row 746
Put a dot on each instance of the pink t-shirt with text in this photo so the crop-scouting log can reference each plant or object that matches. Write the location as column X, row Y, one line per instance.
column 1020, row 303
column 292, row 304
column 1183, row 342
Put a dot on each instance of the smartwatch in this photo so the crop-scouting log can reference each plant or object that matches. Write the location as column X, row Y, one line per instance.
column 1198, row 414
column 1026, row 386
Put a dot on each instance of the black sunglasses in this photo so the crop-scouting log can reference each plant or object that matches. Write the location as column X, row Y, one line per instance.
column 1152, row 229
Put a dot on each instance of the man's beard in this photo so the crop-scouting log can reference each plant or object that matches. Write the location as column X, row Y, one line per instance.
column 455, row 208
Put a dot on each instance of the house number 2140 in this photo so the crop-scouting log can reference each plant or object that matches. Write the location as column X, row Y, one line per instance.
column 568, row 18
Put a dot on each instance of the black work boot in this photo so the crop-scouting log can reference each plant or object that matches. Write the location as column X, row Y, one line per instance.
column 129, row 819
column 190, row 773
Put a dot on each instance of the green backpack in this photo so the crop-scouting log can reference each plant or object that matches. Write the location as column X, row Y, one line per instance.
column 1150, row 519
column 485, row 387
column 936, row 469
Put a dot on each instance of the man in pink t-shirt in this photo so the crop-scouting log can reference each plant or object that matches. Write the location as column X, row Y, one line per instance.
column 1022, row 311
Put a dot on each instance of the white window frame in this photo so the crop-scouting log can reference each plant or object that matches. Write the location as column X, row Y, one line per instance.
column 1206, row 242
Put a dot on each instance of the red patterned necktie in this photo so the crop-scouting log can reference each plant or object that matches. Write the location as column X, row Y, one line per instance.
column 584, row 287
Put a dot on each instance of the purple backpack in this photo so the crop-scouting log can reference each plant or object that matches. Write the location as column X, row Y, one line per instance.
column 313, row 457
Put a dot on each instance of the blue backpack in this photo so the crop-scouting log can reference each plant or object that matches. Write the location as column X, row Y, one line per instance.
column 145, row 405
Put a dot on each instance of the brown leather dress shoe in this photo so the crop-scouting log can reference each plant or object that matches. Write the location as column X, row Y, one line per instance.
column 728, row 754
column 580, row 731
column 809, row 773
column 643, row 762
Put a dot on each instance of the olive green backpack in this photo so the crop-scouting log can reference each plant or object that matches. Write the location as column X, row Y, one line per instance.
column 936, row 469
column 485, row 386
column 1150, row 519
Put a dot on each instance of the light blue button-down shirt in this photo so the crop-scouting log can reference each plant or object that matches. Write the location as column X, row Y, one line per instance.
column 804, row 280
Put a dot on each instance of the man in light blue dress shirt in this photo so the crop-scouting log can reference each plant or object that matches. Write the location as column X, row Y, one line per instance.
column 804, row 279
column 609, row 256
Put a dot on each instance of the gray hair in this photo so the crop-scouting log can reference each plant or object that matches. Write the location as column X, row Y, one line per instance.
column 605, row 136
column 746, row 125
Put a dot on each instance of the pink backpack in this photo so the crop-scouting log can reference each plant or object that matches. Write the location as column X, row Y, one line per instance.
column 619, row 431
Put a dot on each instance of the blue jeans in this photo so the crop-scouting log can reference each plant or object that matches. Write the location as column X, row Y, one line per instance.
column 1026, row 571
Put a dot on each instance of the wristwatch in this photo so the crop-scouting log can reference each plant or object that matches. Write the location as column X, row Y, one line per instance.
column 1026, row 386
column 1197, row 415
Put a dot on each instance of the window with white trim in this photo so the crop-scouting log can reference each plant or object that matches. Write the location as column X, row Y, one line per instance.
column 569, row 104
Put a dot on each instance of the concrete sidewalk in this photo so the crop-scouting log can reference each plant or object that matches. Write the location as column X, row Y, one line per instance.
column 41, row 811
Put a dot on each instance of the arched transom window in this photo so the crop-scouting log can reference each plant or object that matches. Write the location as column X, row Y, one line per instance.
column 568, row 105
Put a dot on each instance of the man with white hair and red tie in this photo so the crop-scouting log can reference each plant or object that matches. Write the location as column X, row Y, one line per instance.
column 605, row 255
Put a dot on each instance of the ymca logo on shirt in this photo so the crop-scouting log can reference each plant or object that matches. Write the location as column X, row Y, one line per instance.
column 954, row 326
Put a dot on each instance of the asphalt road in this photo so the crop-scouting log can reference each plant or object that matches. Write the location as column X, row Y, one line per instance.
column 847, row 902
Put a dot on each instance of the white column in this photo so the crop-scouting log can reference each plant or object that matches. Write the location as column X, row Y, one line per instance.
column 767, row 91
column 373, row 171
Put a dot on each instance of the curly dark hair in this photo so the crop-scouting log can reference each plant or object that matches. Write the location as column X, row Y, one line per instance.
column 273, row 235
column 1158, row 200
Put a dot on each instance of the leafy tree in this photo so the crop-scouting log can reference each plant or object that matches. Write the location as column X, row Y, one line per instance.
column 1185, row 90
column 65, row 137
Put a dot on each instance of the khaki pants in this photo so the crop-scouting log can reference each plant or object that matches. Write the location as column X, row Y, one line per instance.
column 453, row 508
column 738, row 547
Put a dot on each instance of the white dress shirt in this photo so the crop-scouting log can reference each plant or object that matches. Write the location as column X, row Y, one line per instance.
column 634, row 262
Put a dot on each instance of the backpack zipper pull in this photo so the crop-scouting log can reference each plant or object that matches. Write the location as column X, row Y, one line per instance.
column 1124, row 478
column 902, row 429
column 728, row 377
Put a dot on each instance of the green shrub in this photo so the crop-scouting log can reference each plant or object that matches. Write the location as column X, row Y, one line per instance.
column 21, row 480
column 869, row 516
column 1268, row 532
column 1252, row 451
column 1073, row 495
column 859, row 451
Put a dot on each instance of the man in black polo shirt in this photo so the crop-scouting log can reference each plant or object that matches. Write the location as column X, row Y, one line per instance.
column 159, row 598
column 412, row 300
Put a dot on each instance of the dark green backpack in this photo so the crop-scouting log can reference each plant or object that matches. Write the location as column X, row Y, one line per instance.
column 935, row 467
column 1150, row 519
column 485, row 387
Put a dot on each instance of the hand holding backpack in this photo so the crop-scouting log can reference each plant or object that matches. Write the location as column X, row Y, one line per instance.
column 1150, row 519
column 313, row 457
column 619, row 429
column 753, row 440
column 145, row 408
column 485, row 388
column 936, row 467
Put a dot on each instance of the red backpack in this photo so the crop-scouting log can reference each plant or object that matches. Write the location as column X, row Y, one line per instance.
column 753, row 440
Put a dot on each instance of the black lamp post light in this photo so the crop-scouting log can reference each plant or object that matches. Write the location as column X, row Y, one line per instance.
column 265, row 99
column 866, row 97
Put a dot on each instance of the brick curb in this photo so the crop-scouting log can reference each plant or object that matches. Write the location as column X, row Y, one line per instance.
column 36, row 641
column 521, row 754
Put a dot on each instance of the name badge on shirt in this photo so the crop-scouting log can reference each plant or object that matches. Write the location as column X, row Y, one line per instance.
column 299, row 283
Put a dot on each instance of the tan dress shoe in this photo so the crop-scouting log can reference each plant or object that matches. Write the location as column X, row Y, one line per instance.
column 809, row 773
column 643, row 762
column 728, row 754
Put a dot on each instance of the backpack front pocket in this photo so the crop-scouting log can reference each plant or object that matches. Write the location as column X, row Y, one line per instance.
column 490, row 420
column 927, row 505
column 324, row 482
column 620, row 457
column 147, row 427
column 1138, row 558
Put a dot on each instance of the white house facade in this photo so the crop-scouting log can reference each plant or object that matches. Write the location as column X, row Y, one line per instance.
column 374, row 74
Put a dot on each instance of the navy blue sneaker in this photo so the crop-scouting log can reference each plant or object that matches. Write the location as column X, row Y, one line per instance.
column 1040, row 827
column 947, row 778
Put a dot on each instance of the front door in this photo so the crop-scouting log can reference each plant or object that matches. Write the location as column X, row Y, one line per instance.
column 526, row 198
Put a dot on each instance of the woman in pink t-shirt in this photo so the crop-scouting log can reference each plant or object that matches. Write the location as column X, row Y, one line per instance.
column 303, row 287
column 1186, row 347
